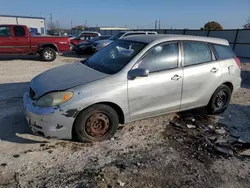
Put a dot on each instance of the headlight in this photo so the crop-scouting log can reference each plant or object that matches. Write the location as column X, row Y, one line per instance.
column 54, row 98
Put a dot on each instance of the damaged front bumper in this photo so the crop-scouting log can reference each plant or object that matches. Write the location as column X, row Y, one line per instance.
column 50, row 122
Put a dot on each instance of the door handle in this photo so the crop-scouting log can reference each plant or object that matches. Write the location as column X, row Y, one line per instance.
column 176, row 77
column 214, row 70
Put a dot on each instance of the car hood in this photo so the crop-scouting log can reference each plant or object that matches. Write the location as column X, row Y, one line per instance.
column 64, row 77
column 83, row 43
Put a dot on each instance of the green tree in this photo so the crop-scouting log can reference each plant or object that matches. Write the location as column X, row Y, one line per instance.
column 215, row 26
column 79, row 27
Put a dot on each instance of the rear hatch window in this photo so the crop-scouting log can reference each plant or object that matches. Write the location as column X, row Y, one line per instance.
column 223, row 52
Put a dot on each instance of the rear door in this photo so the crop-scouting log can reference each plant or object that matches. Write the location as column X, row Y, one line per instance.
column 21, row 40
column 202, row 74
column 6, row 41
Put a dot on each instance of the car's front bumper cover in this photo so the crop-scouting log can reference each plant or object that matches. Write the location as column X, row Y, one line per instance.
column 48, row 122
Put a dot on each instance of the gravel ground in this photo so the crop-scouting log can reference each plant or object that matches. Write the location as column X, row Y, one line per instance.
column 144, row 153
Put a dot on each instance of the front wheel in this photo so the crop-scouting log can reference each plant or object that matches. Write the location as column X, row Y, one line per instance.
column 96, row 123
column 220, row 100
column 48, row 54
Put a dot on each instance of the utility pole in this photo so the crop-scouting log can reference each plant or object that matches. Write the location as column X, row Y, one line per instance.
column 71, row 24
column 57, row 24
column 156, row 24
column 51, row 22
column 159, row 24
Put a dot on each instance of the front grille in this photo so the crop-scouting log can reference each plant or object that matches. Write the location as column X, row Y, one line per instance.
column 32, row 93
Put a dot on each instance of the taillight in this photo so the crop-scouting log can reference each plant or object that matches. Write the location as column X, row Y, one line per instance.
column 237, row 60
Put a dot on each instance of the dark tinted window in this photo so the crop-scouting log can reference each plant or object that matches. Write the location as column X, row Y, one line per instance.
column 223, row 52
column 105, row 37
column 161, row 57
column 19, row 31
column 195, row 53
column 4, row 31
column 117, row 36
column 150, row 33
column 130, row 34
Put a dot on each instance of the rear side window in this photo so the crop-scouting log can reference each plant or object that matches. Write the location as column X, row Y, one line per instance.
column 19, row 31
column 196, row 53
column 223, row 52
column 4, row 31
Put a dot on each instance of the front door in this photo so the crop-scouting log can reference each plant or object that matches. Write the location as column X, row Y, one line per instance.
column 160, row 92
column 21, row 40
column 6, row 41
column 202, row 74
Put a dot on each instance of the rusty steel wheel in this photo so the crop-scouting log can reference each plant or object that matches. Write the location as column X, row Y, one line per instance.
column 96, row 123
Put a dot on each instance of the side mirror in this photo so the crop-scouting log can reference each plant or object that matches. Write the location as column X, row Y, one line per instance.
column 132, row 74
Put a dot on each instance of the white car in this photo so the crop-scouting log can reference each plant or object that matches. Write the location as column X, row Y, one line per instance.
column 85, row 32
column 100, row 44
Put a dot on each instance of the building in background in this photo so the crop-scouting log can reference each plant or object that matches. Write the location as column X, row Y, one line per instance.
column 35, row 24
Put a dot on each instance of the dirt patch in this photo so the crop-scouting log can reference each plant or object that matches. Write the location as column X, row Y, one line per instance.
column 155, row 152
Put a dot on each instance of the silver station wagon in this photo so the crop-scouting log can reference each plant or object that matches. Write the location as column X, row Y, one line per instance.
column 132, row 78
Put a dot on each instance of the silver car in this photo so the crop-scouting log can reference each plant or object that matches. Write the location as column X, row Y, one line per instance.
column 102, row 43
column 133, row 78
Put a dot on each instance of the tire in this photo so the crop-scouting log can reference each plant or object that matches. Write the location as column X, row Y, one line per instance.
column 96, row 123
column 215, row 105
column 48, row 54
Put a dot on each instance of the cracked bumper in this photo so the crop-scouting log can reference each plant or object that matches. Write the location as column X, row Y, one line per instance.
column 48, row 122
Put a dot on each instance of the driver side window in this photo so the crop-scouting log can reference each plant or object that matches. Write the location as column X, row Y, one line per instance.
column 161, row 57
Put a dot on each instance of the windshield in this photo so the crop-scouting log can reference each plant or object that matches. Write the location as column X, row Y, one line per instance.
column 114, row 57
column 117, row 36
column 94, row 39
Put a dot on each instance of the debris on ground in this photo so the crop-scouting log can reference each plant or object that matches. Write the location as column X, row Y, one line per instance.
column 191, row 126
column 220, row 131
column 204, row 137
column 120, row 183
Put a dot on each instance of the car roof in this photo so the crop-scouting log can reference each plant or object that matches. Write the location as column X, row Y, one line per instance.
column 138, row 32
column 170, row 37
column 89, row 32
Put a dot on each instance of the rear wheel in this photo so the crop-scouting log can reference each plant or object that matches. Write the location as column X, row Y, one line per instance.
column 48, row 54
column 96, row 123
column 220, row 100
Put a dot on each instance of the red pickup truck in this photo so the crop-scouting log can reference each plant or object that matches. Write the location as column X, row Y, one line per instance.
column 17, row 40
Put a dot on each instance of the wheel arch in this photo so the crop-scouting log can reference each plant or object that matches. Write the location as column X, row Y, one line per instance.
column 227, row 83
column 230, row 85
column 50, row 45
column 113, row 105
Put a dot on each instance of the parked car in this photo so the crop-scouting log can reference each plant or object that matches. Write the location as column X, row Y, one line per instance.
column 100, row 44
column 16, row 39
column 87, row 47
column 156, row 74
column 83, row 37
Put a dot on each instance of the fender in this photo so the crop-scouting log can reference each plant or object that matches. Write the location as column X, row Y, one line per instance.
column 41, row 46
